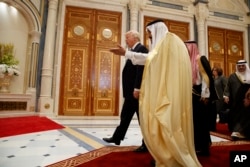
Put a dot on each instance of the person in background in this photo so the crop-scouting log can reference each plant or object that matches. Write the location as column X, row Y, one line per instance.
column 165, row 103
column 247, row 101
column 242, row 128
column 203, row 98
column 131, row 83
column 220, row 82
column 237, row 86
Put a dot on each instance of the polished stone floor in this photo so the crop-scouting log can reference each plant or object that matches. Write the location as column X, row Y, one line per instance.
column 80, row 135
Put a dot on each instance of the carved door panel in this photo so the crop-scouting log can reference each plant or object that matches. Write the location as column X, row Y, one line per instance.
column 179, row 28
column 216, row 43
column 225, row 48
column 234, row 41
column 106, row 66
column 90, row 73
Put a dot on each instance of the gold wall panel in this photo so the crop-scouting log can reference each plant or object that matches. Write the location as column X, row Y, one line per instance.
column 181, row 29
column 235, row 45
column 104, row 105
column 74, row 104
column 105, row 71
column 76, row 69
column 231, row 67
column 225, row 48
column 216, row 63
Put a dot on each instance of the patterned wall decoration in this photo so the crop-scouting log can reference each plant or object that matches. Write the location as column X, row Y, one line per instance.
column 75, row 73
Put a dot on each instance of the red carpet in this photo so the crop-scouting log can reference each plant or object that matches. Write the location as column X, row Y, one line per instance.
column 11, row 126
column 125, row 157
column 222, row 131
column 121, row 159
column 220, row 155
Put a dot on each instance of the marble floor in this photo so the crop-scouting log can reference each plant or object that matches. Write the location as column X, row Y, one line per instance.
column 80, row 135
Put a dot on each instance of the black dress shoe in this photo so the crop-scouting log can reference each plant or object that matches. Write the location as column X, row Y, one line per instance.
column 141, row 149
column 111, row 140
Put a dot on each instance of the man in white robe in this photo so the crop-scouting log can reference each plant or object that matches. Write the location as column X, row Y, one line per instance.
column 165, row 103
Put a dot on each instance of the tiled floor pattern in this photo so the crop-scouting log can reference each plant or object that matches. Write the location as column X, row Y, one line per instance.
column 79, row 136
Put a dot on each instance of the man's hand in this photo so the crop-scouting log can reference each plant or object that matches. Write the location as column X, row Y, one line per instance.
column 118, row 51
column 226, row 99
column 136, row 94
column 204, row 100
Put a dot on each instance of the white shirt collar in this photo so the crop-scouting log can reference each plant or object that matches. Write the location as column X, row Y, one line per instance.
column 135, row 45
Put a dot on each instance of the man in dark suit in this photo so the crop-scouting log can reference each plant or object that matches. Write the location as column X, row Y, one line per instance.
column 131, row 82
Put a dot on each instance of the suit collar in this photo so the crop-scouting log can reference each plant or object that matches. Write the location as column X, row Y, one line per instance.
column 135, row 46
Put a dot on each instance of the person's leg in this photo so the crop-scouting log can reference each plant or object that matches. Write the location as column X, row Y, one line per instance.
column 128, row 110
column 201, row 129
column 202, row 138
column 221, row 110
column 212, row 116
column 143, row 147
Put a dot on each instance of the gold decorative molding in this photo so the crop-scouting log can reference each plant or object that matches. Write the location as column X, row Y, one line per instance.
column 47, row 106
column 78, row 30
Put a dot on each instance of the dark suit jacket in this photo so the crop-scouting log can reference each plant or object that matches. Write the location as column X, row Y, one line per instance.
column 132, row 74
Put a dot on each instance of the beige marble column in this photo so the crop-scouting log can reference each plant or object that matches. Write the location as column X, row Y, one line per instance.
column 134, row 10
column 35, row 39
column 201, row 15
column 46, row 101
column 32, row 74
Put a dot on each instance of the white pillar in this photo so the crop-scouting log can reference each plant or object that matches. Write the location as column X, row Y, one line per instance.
column 134, row 10
column 32, row 70
column 201, row 15
column 46, row 103
column 35, row 39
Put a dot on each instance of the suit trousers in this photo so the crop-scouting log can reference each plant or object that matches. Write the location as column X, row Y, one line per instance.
column 130, row 106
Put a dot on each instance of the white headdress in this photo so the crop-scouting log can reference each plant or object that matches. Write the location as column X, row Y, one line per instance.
column 158, row 30
column 244, row 76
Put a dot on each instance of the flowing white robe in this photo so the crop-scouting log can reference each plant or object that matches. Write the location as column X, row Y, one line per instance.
column 166, row 104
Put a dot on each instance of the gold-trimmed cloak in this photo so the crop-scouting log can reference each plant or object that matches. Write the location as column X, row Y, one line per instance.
column 166, row 104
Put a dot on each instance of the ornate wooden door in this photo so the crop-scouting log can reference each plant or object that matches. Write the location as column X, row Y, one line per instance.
column 225, row 48
column 179, row 28
column 90, row 73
